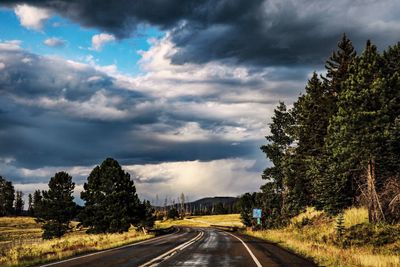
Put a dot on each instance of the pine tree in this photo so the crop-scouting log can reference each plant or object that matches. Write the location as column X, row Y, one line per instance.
column 36, row 202
column 112, row 204
column 337, row 67
column 7, row 193
column 275, row 150
column 19, row 203
column 356, row 132
column 312, row 116
column 55, row 209
column 146, row 215
column 278, row 142
column 30, row 205
column 391, row 110
column 324, row 171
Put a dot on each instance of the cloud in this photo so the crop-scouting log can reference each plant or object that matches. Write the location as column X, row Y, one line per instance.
column 196, row 179
column 194, row 115
column 254, row 33
column 10, row 45
column 32, row 17
column 170, row 113
column 54, row 42
column 99, row 40
column 2, row 66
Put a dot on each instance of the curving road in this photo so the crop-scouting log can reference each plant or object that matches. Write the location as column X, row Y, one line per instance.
column 192, row 247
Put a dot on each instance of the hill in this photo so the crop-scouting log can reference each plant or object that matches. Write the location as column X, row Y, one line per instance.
column 207, row 205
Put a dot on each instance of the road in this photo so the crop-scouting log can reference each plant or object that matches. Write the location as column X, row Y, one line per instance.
column 192, row 247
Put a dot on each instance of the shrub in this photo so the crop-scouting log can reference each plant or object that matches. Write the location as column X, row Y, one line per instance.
column 376, row 235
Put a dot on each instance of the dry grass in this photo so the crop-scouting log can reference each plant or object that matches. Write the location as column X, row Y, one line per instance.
column 21, row 245
column 204, row 221
column 316, row 240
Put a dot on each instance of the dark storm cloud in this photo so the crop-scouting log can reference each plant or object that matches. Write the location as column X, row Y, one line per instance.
column 259, row 32
column 75, row 115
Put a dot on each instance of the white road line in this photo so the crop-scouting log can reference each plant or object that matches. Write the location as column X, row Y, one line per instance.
column 171, row 252
column 248, row 249
column 108, row 250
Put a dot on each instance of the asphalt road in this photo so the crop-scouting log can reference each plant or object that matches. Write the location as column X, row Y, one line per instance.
column 193, row 247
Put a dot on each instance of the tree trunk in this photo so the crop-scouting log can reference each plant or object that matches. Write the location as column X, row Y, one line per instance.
column 375, row 213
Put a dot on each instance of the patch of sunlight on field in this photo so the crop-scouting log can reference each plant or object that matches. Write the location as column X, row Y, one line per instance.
column 21, row 249
column 204, row 221
column 313, row 234
column 355, row 216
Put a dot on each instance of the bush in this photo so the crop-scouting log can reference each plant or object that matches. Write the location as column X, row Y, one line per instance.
column 172, row 214
column 376, row 235
column 53, row 229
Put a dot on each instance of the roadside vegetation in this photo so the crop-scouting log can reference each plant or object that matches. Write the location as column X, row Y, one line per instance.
column 336, row 148
column 21, row 242
column 314, row 234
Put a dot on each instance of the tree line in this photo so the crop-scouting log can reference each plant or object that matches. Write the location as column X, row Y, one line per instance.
column 11, row 201
column 111, row 203
column 339, row 145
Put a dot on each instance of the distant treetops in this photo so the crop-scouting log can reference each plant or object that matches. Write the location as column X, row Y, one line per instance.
column 339, row 144
column 111, row 203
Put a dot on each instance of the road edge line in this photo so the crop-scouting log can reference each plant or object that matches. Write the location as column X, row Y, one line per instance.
column 173, row 251
column 248, row 249
column 107, row 250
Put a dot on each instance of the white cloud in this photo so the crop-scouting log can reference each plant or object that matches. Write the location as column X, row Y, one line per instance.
column 196, row 179
column 54, row 42
column 27, row 189
column 99, row 40
column 225, row 177
column 32, row 17
column 99, row 106
column 2, row 66
column 10, row 45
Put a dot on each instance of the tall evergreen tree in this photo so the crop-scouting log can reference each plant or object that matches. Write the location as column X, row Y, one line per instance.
column 322, row 168
column 112, row 204
column 312, row 117
column 356, row 133
column 37, row 201
column 56, row 208
column 278, row 143
column 30, row 205
column 19, row 203
column 337, row 66
column 7, row 193
column 391, row 110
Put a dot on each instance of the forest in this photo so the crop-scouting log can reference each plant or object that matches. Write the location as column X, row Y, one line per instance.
column 338, row 145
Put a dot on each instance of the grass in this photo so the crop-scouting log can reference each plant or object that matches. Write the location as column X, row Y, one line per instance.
column 313, row 235
column 21, row 243
column 204, row 221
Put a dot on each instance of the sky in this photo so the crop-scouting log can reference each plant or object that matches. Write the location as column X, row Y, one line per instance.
column 180, row 92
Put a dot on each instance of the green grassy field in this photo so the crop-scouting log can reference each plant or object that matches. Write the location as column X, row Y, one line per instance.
column 21, row 243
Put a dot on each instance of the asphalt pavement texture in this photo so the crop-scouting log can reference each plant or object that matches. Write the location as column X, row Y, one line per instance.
column 192, row 247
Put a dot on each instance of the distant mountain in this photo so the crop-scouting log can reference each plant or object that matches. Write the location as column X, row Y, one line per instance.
column 210, row 201
column 207, row 205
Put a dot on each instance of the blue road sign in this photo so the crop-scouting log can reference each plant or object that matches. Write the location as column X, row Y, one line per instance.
column 256, row 213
